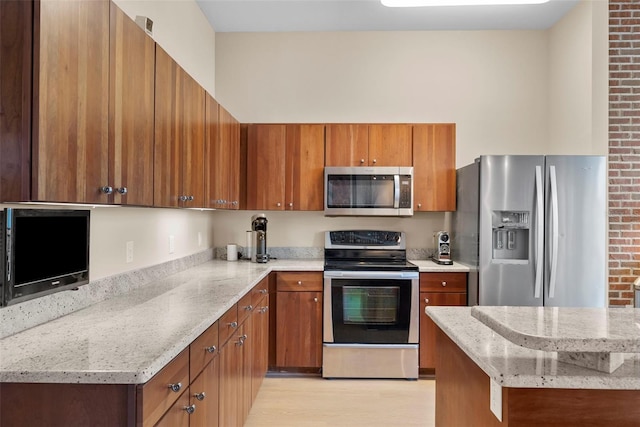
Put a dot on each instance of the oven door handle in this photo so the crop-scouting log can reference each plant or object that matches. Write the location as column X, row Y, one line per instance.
column 390, row 275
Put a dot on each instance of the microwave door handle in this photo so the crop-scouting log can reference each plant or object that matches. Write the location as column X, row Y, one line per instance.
column 396, row 191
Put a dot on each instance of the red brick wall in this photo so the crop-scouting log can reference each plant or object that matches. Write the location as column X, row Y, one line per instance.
column 624, row 149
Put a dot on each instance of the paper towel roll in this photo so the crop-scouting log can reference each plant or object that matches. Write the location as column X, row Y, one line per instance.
column 248, row 250
column 232, row 252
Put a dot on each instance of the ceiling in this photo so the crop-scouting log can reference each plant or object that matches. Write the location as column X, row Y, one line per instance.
column 371, row 15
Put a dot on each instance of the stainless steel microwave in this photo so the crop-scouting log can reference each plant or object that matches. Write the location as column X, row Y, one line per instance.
column 368, row 191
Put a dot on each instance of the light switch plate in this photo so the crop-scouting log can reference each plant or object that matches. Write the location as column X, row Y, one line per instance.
column 495, row 395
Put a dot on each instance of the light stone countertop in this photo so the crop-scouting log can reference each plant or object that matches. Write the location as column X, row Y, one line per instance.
column 129, row 338
column 565, row 329
column 511, row 365
column 428, row 266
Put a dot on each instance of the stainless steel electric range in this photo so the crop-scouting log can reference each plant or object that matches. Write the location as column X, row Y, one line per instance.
column 370, row 311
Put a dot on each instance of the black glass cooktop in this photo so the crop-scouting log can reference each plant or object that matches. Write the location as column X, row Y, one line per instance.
column 354, row 265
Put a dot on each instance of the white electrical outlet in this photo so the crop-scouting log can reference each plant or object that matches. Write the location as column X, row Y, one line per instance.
column 172, row 244
column 199, row 239
column 495, row 397
column 129, row 251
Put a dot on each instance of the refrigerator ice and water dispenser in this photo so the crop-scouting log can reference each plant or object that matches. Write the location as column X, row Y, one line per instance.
column 511, row 235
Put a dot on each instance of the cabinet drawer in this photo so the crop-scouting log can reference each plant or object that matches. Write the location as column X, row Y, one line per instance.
column 443, row 282
column 157, row 396
column 203, row 349
column 245, row 307
column 228, row 324
column 299, row 281
column 259, row 291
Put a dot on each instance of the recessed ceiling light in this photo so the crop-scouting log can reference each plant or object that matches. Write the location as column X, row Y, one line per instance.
column 419, row 3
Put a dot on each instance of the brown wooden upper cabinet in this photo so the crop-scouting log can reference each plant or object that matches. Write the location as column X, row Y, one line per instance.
column 84, row 133
column 368, row 145
column 131, row 109
column 434, row 167
column 179, row 136
column 285, row 167
column 62, row 151
column 222, row 158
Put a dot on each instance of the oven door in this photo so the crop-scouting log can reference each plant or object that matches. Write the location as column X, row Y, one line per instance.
column 364, row 307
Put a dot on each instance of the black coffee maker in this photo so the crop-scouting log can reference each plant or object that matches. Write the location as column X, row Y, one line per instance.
column 259, row 230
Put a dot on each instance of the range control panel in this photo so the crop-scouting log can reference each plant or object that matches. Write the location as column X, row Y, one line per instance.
column 366, row 238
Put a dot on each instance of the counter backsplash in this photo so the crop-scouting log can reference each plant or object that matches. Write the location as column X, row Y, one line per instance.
column 314, row 253
column 25, row 315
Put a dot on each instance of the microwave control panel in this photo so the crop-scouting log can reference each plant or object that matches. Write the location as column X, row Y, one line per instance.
column 405, row 192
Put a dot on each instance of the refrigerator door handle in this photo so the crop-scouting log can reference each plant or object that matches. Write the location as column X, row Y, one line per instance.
column 554, row 230
column 539, row 261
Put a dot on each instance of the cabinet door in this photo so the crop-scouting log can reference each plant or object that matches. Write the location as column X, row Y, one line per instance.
column 192, row 139
column 215, row 166
column 226, row 190
column 131, row 105
column 347, row 145
column 299, row 330
column 70, row 144
column 390, row 145
column 167, row 167
column 434, row 167
column 266, row 147
column 428, row 328
column 305, row 168
column 16, row 25
column 233, row 156
column 247, row 349
column 176, row 415
column 260, row 345
column 204, row 395
column 230, row 400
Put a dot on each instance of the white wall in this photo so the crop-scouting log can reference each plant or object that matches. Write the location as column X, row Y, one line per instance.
column 493, row 84
column 578, row 85
column 182, row 30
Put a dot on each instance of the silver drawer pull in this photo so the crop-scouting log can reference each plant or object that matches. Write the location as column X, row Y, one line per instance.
column 211, row 349
column 426, row 300
column 249, row 307
column 444, row 283
column 263, row 291
column 200, row 396
column 233, row 325
column 175, row 387
column 190, row 409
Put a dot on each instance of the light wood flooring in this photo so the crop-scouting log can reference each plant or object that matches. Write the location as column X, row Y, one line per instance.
column 303, row 401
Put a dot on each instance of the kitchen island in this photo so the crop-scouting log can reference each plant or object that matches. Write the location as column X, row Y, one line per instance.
column 483, row 378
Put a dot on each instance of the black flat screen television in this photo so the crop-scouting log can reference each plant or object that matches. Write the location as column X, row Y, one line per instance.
column 47, row 251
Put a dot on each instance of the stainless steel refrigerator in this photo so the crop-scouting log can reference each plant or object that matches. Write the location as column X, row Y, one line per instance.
column 534, row 230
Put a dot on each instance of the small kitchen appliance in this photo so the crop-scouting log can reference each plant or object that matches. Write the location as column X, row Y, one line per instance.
column 259, row 230
column 370, row 306
column 442, row 253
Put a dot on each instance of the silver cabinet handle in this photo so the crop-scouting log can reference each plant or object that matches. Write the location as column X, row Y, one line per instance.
column 444, row 283
column 211, row 349
column 426, row 300
column 375, row 161
column 200, row 396
column 290, row 205
column 263, row 291
column 249, row 307
column 190, row 409
column 234, row 203
column 233, row 324
column 315, row 299
column 122, row 190
column 361, row 161
column 300, row 282
column 175, row 387
column 419, row 205
column 263, row 310
column 182, row 198
column 278, row 204
column 191, row 198
column 106, row 189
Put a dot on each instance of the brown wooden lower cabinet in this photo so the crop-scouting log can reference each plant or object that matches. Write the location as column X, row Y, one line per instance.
column 231, row 381
column 463, row 393
column 437, row 289
column 299, row 320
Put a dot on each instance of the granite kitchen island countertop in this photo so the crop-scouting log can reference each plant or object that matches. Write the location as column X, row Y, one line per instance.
column 512, row 365
column 129, row 338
